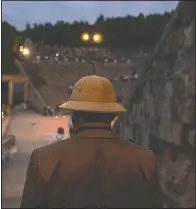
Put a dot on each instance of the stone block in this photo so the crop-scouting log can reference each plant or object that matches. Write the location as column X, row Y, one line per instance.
column 188, row 114
column 150, row 108
column 178, row 86
column 146, row 139
column 165, row 129
column 176, row 133
column 189, row 34
column 175, row 109
column 165, row 108
column 190, row 90
column 146, row 92
column 168, row 91
column 128, row 133
column 191, row 138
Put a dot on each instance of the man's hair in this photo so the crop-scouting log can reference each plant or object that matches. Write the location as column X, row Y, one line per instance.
column 60, row 130
column 92, row 117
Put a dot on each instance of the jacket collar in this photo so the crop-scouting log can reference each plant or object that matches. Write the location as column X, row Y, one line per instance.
column 94, row 130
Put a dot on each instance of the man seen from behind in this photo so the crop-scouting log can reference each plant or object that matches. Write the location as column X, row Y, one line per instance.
column 94, row 167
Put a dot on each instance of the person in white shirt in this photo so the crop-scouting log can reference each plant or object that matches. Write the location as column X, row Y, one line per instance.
column 24, row 105
column 59, row 136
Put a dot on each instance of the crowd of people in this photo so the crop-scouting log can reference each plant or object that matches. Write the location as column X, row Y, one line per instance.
column 79, row 54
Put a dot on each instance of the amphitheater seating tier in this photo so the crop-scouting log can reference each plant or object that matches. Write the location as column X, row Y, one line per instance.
column 52, row 80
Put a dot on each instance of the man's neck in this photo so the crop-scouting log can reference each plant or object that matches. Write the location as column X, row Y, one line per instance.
column 93, row 130
column 91, row 124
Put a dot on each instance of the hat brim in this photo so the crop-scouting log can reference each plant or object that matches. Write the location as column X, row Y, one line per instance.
column 93, row 107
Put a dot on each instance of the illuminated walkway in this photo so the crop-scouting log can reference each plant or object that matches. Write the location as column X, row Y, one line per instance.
column 31, row 131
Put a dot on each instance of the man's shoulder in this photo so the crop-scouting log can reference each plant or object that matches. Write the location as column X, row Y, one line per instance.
column 140, row 156
column 138, row 150
column 48, row 151
column 53, row 147
column 48, row 157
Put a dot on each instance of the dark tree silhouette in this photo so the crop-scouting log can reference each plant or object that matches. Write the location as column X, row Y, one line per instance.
column 120, row 31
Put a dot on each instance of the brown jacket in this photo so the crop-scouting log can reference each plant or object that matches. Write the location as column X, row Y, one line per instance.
column 94, row 168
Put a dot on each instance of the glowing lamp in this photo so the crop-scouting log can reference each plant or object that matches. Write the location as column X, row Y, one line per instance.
column 85, row 37
column 97, row 38
column 21, row 49
column 26, row 52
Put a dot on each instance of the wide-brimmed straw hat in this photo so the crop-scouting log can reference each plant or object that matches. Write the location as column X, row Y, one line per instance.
column 93, row 94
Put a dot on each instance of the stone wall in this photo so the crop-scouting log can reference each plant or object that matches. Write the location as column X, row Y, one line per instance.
column 161, row 108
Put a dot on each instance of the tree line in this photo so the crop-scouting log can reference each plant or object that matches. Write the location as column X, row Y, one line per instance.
column 117, row 31
column 8, row 35
column 128, row 31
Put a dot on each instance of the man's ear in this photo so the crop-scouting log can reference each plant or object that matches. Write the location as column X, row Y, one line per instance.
column 114, row 120
column 115, row 116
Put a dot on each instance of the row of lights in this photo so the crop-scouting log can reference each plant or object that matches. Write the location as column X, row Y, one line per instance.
column 96, row 38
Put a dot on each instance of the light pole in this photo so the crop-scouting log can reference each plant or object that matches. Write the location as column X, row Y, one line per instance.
column 96, row 38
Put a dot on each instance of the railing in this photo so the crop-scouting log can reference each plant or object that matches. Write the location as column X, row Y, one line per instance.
column 33, row 90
